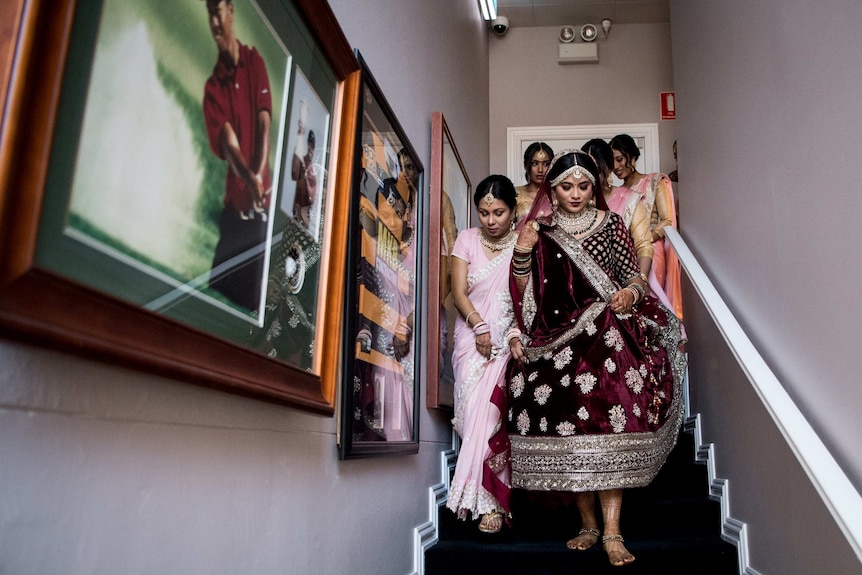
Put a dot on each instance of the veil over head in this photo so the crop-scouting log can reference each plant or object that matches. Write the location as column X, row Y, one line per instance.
column 542, row 205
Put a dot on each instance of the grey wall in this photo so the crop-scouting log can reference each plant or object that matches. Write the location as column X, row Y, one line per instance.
column 769, row 135
column 529, row 88
column 107, row 470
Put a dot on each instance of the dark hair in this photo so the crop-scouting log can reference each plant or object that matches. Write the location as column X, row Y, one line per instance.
column 498, row 186
column 311, row 139
column 602, row 153
column 626, row 144
column 531, row 151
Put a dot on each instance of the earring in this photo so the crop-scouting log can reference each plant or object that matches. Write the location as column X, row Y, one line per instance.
column 592, row 203
column 555, row 203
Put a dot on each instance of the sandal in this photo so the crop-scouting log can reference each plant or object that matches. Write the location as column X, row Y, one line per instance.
column 587, row 535
column 618, row 555
column 489, row 522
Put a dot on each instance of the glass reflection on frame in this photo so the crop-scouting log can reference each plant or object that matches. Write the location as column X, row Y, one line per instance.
column 380, row 412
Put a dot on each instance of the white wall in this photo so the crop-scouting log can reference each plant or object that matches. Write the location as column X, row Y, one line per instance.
column 769, row 139
column 107, row 470
column 529, row 88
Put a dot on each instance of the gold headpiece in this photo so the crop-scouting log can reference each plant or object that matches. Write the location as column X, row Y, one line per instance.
column 489, row 197
column 576, row 170
column 541, row 155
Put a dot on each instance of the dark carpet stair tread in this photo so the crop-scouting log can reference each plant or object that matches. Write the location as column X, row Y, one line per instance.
column 671, row 526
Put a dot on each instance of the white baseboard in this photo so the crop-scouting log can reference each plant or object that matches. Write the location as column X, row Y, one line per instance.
column 733, row 530
column 426, row 535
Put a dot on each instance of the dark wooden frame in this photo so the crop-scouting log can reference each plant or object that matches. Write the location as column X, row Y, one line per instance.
column 349, row 448
column 440, row 133
column 41, row 307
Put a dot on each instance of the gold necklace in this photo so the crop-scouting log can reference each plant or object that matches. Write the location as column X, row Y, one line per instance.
column 576, row 224
column 501, row 244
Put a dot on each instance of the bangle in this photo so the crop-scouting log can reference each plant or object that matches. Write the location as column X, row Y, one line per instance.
column 467, row 319
column 481, row 328
column 513, row 333
column 635, row 294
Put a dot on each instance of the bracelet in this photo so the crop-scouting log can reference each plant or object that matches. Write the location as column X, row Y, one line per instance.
column 635, row 295
column 522, row 249
column 481, row 328
column 467, row 319
column 513, row 333
column 639, row 288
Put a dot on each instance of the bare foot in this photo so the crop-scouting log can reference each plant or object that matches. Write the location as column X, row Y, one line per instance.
column 586, row 538
column 617, row 552
column 491, row 522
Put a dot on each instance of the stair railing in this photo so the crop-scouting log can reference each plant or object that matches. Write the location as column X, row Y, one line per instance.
column 837, row 492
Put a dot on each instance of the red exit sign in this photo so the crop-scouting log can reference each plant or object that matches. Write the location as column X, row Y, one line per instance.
column 668, row 106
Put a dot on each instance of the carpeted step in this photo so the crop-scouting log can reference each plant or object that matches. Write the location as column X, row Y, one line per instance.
column 671, row 526
column 500, row 555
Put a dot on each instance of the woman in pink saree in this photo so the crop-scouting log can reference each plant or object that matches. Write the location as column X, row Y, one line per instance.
column 484, row 331
column 657, row 195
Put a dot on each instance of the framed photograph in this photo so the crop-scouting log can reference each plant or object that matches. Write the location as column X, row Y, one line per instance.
column 309, row 130
column 451, row 209
column 143, row 184
column 381, row 347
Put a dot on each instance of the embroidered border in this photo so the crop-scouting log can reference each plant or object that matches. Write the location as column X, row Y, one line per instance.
column 591, row 270
column 586, row 318
column 631, row 206
column 593, row 462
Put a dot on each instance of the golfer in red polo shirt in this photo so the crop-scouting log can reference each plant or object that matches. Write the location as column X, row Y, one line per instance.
column 237, row 110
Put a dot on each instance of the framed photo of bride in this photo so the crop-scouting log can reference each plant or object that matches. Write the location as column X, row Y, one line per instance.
column 139, row 221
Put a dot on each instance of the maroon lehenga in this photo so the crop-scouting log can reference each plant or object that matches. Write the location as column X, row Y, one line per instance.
column 598, row 404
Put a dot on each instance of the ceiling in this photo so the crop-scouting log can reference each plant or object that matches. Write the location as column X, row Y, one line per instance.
column 522, row 13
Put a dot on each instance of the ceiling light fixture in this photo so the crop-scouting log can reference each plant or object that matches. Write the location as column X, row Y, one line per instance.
column 489, row 9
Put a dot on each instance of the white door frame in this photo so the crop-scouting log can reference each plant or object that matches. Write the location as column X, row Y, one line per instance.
column 563, row 137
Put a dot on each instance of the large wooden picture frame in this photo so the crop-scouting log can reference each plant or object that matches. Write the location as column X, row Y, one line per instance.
column 82, row 292
column 380, row 410
column 450, row 213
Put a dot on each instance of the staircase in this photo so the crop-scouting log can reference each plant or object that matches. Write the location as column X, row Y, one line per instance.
column 671, row 526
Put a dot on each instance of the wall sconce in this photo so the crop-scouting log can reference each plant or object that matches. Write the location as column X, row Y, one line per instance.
column 606, row 27
column 489, row 9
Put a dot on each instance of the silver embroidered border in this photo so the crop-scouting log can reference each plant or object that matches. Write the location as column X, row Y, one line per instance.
column 586, row 318
column 594, row 462
column 593, row 272
column 631, row 206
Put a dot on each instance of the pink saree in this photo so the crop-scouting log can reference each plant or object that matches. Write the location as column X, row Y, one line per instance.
column 481, row 480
